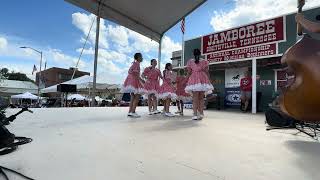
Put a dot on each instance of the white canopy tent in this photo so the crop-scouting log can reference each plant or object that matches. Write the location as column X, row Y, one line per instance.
column 151, row 18
column 25, row 95
column 77, row 97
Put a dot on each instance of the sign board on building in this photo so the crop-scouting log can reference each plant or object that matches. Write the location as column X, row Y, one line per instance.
column 232, row 86
column 233, row 77
column 243, row 53
column 254, row 40
column 232, row 97
column 265, row 82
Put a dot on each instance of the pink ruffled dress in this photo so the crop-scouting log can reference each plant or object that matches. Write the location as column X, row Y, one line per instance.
column 167, row 90
column 132, row 84
column 152, row 85
column 198, row 80
column 181, row 85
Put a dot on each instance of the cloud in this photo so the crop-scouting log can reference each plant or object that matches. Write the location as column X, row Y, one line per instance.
column 112, row 56
column 83, row 22
column 142, row 43
column 3, row 43
column 247, row 11
column 111, row 67
column 89, row 51
column 64, row 60
column 118, row 35
column 168, row 46
column 13, row 49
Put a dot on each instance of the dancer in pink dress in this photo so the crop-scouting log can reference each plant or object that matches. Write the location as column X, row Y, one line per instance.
column 182, row 95
column 167, row 89
column 152, row 86
column 133, row 85
column 198, row 83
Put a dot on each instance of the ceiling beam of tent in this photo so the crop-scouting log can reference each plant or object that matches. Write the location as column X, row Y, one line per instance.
column 133, row 20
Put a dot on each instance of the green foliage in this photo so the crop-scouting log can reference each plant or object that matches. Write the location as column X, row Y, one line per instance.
column 111, row 96
column 5, row 74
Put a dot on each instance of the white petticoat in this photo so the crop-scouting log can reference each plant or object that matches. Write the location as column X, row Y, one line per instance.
column 166, row 95
column 207, row 88
column 131, row 89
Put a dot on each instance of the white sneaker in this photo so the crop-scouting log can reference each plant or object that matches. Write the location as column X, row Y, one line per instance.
column 195, row 118
column 129, row 114
column 156, row 112
column 151, row 112
column 135, row 115
column 169, row 114
column 200, row 117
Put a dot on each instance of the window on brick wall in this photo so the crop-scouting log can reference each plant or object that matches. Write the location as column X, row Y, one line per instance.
column 281, row 79
column 64, row 77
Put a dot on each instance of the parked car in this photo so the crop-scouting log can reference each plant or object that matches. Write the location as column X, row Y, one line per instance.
column 124, row 103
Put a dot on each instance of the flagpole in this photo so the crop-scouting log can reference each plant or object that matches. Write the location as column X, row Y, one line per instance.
column 182, row 52
column 182, row 41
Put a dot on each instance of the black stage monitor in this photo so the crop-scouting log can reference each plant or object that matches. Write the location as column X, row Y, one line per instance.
column 67, row 88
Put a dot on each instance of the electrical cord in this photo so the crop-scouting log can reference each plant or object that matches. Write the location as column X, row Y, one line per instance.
column 12, row 171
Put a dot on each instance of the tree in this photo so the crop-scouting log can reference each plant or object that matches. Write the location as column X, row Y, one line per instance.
column 5, row 74
column 19, row 77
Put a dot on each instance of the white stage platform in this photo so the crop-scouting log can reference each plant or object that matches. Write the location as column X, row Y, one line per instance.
column 102, row 143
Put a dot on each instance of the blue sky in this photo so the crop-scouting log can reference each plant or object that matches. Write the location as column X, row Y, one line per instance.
column 58, row 28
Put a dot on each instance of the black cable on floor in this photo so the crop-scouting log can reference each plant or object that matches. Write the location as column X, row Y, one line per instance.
column 13, row 171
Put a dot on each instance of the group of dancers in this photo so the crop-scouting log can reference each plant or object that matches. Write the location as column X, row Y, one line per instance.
column 180, row 88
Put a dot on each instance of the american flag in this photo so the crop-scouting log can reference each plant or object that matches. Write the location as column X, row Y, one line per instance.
column 34, row 69
column 182, row 26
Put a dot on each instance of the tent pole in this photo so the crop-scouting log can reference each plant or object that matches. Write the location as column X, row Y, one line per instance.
column 89, row 96
column 96, row 57
column 254, row 85
column 159, row 53
column 159, row 61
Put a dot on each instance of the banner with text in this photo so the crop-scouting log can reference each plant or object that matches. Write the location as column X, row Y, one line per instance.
column 243, row 53
column 265, row 32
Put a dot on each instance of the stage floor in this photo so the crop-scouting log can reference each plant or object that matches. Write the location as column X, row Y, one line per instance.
column 102, row 143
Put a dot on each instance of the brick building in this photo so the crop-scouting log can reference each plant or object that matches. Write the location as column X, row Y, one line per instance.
column 55, row 75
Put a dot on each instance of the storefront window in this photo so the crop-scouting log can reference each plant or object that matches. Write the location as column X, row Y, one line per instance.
column 283, row 79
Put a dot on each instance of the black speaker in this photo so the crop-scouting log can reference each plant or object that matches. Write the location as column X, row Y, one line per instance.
column 67, row 88
column 276, row 118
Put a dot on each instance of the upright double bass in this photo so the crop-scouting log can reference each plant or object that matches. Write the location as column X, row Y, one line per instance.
column 301, row 98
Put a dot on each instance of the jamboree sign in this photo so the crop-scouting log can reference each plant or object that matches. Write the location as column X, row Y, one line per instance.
column 245, row 42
